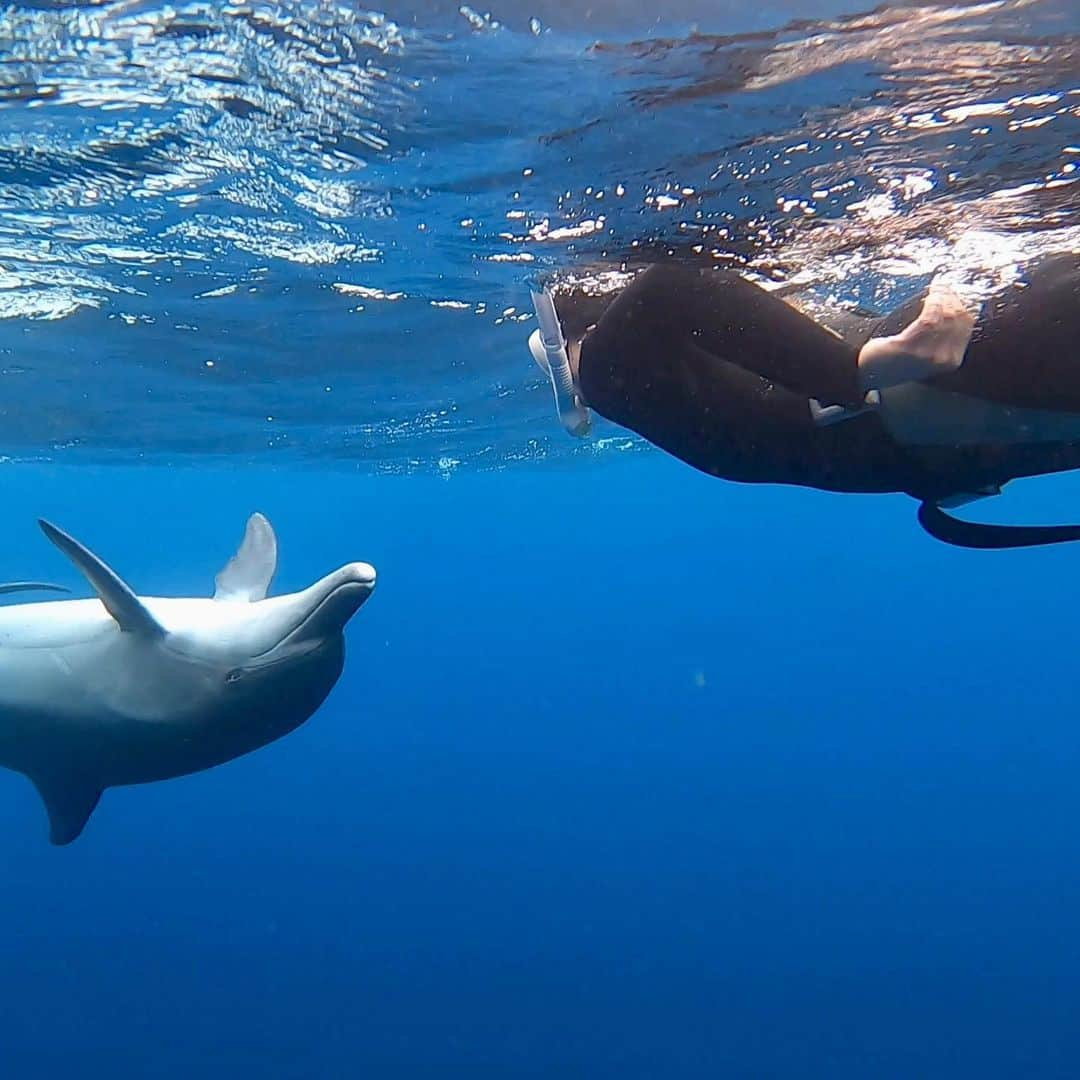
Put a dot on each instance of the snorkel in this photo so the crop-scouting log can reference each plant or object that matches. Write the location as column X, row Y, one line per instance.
column 548, row 347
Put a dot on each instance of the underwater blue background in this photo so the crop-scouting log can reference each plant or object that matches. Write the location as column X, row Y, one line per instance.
column 630, row 773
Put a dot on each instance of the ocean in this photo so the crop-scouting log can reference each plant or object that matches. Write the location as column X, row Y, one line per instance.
column 631, row 772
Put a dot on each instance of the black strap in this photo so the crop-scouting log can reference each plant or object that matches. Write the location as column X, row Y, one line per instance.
column 970, row 534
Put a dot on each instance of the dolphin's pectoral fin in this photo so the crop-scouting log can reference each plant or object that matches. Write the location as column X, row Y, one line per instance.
column 69, row 801
column 30, row 586
column 247, row 575
column 120, row 602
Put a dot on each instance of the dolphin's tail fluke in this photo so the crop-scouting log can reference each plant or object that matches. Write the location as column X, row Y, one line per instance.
column 971, row 534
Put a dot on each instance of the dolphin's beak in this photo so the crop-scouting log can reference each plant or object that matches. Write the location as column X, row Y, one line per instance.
column 354, row 584
column 329, row 604
column 344, row 592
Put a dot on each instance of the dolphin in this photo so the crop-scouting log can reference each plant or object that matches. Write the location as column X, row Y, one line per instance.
column 125, row 689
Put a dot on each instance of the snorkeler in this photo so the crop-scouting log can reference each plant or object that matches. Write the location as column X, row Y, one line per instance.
column 935, row 400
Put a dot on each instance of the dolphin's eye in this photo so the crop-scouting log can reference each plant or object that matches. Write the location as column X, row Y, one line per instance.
column 235, row 675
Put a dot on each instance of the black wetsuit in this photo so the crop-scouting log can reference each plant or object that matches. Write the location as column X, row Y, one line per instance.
column 718, row 372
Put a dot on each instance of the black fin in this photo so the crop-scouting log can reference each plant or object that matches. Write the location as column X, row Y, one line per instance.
column 971, row 534
column 120, row 602
column 70, row 802
column 30, row 586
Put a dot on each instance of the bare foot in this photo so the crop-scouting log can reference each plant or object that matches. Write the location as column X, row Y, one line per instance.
column 934, row 344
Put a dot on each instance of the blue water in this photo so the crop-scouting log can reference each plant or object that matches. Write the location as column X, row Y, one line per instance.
column 631, row 772
column 798, row 799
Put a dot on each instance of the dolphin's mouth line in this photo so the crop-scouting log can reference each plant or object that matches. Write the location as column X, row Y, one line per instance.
column 266, row 660
column 312, row 614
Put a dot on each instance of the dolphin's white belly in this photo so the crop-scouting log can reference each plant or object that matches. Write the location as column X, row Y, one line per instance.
column 60, row 623
column 73, row 678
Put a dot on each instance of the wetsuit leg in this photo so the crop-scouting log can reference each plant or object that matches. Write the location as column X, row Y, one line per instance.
column 711, row 414
column 1025, row 350
column 651, row 364
column 728, row 319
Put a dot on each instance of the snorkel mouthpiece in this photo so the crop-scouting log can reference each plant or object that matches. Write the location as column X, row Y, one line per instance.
column 549, row 343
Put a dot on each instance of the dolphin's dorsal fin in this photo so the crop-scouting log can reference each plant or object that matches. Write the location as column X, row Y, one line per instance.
column 247, row 575
column 30, row 586
column 69, row 801
column 120, row 602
